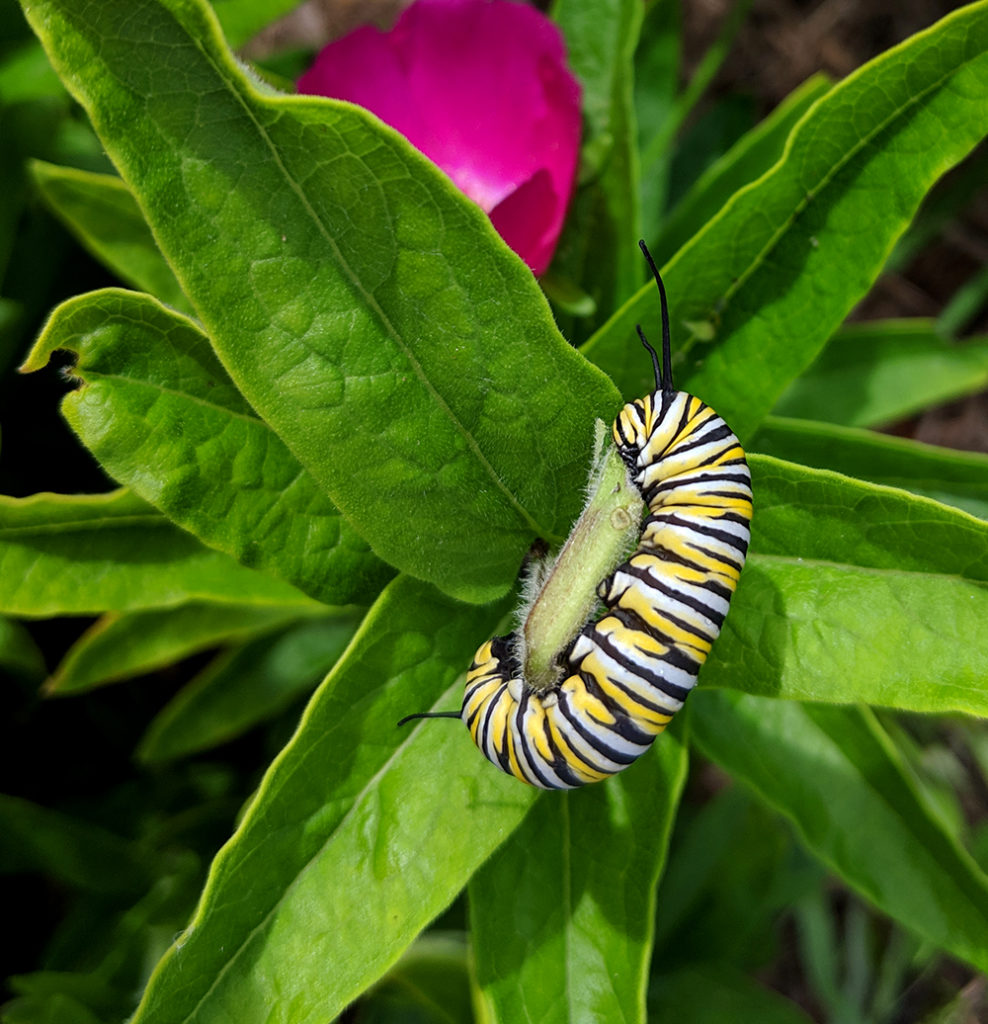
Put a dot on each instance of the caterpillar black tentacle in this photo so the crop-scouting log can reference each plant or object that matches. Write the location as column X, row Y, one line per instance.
column 626, row 674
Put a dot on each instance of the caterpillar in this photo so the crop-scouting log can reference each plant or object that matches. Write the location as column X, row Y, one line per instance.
column 627, row 672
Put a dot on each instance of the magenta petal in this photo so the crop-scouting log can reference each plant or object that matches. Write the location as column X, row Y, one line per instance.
column 480, row 87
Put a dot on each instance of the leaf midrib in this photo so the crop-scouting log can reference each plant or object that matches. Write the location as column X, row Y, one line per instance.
column 355, row 282
column 796, row 561
column 813, row 193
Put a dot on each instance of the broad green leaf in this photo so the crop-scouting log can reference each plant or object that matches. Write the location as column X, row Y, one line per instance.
column 102, row 214
column 819, row 515
column 367, row 311
column 945, row 204
column 876, row 372
column 562, row 917
column 713, row 993
column 19, row 653
column 774, row 274
column 77, row 853
column 246, row 686
column 359, row 835
column 749, row 158
column 836, row 776
column 855, row 592
column 598, row 246
column 119, row 647
column 803, row 629
column 955, row 478
column 161, row 415
column 86, row 554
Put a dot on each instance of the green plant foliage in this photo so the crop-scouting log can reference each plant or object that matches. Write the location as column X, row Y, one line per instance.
column 774, row 274
column 349, row 798
column 246, row 686
column 102, row 214
column 82, row 555
column 118, row 646
column 75, row 852
column 598, row 246
column 749, row 158
column 158, row 410
column 715, row 993
column 873, row 373
column 430, row 984
column 955, row 478
column 19, row 654
column 311, row 274
column 834, row 773
column 340, row 390
column 563, row 916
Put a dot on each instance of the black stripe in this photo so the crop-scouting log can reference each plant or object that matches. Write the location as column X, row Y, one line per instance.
column 668, row 555
column 594, row 742
column 624, row 726
column 715, row 616
column 671, row 483
column 703, row 528
column 532, row 758
column 703, row 438
column 674, row 656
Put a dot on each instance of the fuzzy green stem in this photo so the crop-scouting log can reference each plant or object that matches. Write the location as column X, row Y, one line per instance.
column 604, row 533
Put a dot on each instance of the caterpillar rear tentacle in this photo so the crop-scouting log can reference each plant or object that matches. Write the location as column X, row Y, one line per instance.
column 628, row 672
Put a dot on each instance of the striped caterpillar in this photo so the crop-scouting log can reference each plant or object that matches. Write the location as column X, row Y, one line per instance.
column 625, row 674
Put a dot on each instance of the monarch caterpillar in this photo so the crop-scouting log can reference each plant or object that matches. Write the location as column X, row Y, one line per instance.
column 627, row 672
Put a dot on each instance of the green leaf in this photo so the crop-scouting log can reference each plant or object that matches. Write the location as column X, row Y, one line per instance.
column 86, row 554
column 119, row 647
column 774, row 274
column 806, row 630
column 562, row 917
column 654, row 150
column 48, row 1009
column 733, row 870
column 955, row 478
column 359, row 835
column 75, row 852
column 430, row 984
column 965, row 304
column 712, row 993
column 102, row 214
column 749, row 158
column 854, row 592
column 873, row 373
column 944, row 205
column 819, row 515
column 246, row 686
column 19, row 653
column 598, row 246
column 837, row 777
column 26, row 75
column 159, row 412
column 367, row 311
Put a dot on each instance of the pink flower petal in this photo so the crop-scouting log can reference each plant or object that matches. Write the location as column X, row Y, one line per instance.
column 480, row 87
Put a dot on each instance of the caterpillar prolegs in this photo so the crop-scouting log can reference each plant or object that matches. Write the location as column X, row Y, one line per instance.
column 628, row 672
